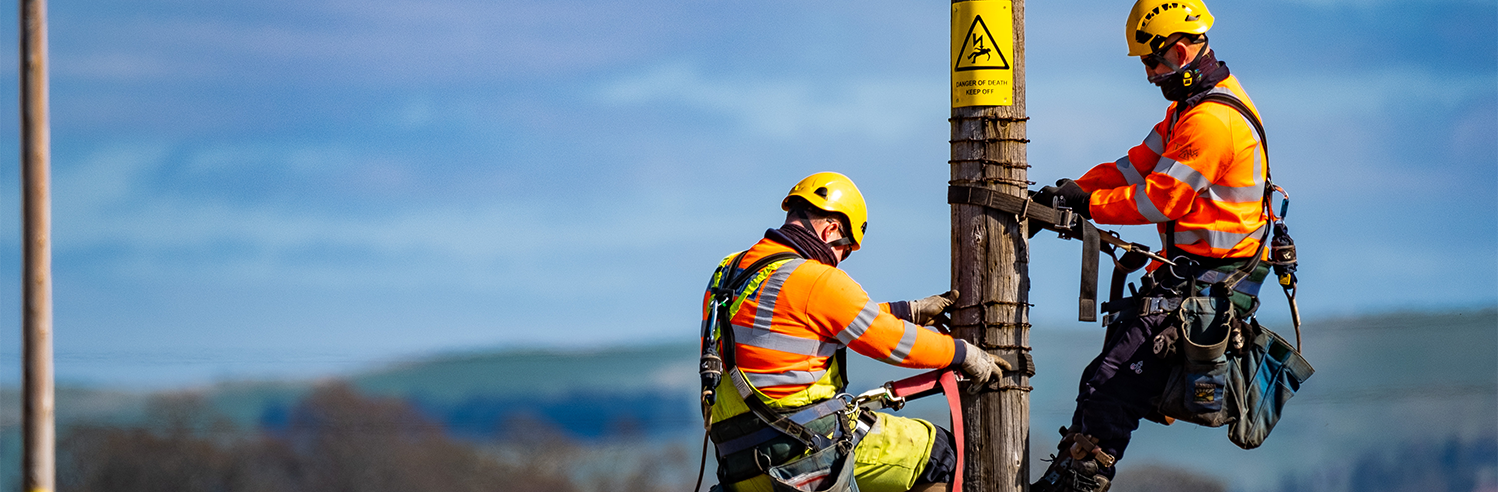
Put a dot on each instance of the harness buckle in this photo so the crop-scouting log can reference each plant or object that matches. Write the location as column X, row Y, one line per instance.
column 1065, row 217
column 1151, row 305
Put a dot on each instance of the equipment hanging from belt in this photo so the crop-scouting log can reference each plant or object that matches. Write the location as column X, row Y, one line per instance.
column 1061, row 219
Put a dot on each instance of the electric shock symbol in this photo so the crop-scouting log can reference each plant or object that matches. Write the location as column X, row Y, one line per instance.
column 978, row 50
column 979, row 44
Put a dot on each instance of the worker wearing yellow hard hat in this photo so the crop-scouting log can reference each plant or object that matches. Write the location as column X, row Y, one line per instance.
column 1201, row 177
column 782, row 334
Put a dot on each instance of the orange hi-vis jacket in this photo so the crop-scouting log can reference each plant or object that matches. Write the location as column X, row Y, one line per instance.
column 787, row 330
column 1207, row 174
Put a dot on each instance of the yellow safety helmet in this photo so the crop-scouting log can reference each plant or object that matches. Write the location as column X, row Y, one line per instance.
column 1152, row 21
column 836, row 193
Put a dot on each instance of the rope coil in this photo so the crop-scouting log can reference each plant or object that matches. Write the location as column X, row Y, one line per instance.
column 998, row 346
column 1003, row 164
column 986, row 181
column 988, row 118
column 989, row 140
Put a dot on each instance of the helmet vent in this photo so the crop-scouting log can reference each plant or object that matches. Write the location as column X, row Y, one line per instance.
column 1192, row 18
column 821, row 192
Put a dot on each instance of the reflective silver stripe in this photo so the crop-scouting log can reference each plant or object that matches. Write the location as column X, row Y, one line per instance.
column 1236, row 194
column 1130, row 173
column 1184, row 173
column 763, row 379
column 907, row 342
column 762, row 336
column 766, row 339
column 769, row 291
column 1216, row 239
column 1242, row 194
column 1147, row 207
column 860, row 324
column 1250, row 193
column 1155, row 143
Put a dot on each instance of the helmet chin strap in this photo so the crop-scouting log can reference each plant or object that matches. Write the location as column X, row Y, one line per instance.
column 842, row 241
column 1179, row 81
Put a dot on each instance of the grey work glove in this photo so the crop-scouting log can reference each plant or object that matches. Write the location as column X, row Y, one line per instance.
column 980, row 367
column 923, row 311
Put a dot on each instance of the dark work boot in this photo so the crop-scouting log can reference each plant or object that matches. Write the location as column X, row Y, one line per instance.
column 1078, row 468
column 1069, row 475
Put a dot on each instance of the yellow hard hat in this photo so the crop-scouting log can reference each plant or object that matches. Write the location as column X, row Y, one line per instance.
column 833, row 192
column 1152, row 21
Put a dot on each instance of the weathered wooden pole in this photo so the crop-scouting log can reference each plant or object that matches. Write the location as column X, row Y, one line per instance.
column 990, row 253
column 40, row 439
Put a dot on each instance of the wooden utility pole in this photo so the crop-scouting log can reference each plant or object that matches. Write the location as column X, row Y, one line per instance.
column 37, row 415
column 990, row 255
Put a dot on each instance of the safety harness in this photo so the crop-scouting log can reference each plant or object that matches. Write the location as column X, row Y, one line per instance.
column 1061, row 219
column 1282, row 253
column 718, row 356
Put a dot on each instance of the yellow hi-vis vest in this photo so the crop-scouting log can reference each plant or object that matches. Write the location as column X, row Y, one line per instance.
column 735, row 386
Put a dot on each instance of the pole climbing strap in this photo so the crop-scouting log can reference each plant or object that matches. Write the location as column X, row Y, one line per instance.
column 1062, row 221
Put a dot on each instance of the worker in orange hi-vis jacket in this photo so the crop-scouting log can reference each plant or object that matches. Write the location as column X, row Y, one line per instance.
column 1201, row 176
column 791, row 322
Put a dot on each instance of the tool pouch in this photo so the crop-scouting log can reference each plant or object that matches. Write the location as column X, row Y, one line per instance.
column 1197, row 389
column 827, row 470
column 1264, row 377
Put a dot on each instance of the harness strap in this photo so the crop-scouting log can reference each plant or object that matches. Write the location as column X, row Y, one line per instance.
column 775, row 420
column 1232, row 101
column 803, row 417
column 928, row 383
column 1091, row 255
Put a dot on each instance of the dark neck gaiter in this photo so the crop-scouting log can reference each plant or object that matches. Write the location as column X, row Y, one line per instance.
column 805, row 242
column 1199, row 76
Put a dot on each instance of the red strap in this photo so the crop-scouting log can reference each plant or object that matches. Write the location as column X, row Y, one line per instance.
column 927, row 383
column 916, row 386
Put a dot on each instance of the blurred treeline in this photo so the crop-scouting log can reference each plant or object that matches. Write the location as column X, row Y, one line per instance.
column 337, row 439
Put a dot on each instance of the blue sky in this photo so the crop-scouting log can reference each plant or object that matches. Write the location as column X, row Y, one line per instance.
column 278, row 188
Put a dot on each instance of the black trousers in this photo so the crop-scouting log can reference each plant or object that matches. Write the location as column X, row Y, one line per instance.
column 942, row 465
column 1118, row 387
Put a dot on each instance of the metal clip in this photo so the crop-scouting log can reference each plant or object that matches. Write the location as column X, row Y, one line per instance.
column 878, row 399
column 1064, row 216
column 1108, row 318
column 1151, row 305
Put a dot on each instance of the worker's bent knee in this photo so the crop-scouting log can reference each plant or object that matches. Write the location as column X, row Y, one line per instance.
column 895, row 454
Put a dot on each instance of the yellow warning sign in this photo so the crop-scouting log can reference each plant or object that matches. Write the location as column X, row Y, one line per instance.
column 982, row 53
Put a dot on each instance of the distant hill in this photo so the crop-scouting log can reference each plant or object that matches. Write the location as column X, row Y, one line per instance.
column 1380, row 379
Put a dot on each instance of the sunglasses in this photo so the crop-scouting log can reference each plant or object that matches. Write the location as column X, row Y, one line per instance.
column 1153, row 60
column 1150, row 61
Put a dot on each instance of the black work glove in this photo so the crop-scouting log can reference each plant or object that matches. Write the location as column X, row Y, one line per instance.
column 1071, row 195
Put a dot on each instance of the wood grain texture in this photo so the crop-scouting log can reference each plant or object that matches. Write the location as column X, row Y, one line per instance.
column 990, row 268
column 39, row 437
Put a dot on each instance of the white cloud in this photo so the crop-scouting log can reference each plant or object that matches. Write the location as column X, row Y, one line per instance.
column 874, row 106
column 107, row 202
column 379, row 43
